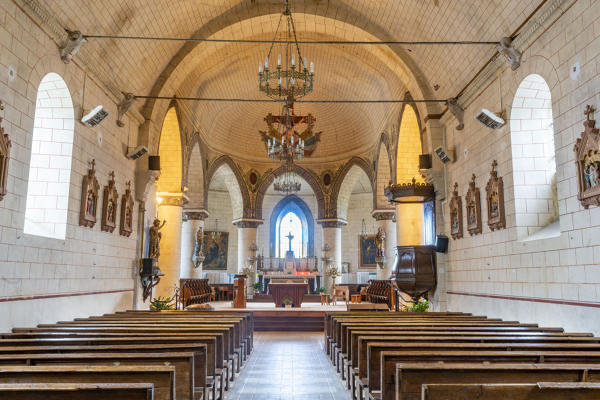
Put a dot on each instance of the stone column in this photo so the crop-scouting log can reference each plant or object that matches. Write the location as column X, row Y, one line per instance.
column 169, row 261
column 193, row 219
column 386, row 219
column 247, row 229
column 332, row 236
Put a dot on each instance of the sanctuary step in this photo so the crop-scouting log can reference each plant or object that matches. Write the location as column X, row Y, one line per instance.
column 292, row 320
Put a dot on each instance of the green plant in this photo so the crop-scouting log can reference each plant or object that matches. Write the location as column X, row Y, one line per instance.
column 287, row 301
column 323, row 290
column 420, row 306
column 257, row 286
column 160, row 303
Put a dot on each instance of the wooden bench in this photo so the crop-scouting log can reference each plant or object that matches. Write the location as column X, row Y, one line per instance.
column 182, row 361
column 162, row 377
column 513, row 391
column 410, row 377
column 389, row 359
column 76, row 391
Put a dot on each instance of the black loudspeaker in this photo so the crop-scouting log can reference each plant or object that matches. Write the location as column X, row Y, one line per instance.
column 441, row 243
column 147, row 266
column 424, row 161
column 154, row 163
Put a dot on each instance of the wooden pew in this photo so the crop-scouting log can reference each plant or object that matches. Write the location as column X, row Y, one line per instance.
column 182, row 361
column 411, row 376
column 162, row 377
column 76, row 391
column 516, row 391
column 389, row 359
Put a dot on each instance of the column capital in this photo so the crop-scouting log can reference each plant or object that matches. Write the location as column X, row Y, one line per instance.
column 385, row 214
column 332, row 222
column 247, row 222
column 195, row 214
column 177, row 199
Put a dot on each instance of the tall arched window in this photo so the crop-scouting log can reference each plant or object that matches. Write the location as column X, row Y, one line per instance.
column 50, row 166
column 290, row 227
column 534, row 163
column 292, row 215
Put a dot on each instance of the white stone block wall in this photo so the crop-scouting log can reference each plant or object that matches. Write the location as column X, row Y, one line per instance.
column 555, row 281
column 90, row 272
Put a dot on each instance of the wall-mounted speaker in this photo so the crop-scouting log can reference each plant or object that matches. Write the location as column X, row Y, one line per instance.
column 441, row 243
column 148, row 266
column 425, row 161
column 154, row 163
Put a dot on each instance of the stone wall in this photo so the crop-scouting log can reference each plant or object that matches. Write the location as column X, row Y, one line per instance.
column 553, row 281
column 90, row 272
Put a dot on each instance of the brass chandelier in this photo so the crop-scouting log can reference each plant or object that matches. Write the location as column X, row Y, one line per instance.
column 293, row 79
column 286, row 183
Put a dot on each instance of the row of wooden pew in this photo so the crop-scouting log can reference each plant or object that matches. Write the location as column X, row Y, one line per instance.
column 452, row 356
column 163, row 355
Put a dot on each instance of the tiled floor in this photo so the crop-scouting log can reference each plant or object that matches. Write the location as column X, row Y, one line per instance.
column 288, row 366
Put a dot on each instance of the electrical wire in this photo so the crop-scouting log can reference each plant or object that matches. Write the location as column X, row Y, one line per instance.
column 318, row 101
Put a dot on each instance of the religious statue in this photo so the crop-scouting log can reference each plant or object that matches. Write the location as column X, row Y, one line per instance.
column 198, row 256
column 155, row 237
column 380, row 242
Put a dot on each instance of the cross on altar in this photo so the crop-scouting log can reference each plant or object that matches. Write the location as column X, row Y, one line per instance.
column 290, row 237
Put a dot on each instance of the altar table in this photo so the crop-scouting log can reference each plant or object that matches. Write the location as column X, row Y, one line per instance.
column 294, row 291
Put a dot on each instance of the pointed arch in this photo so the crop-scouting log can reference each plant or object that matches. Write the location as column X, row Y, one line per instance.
column 236, row 186
column 304, row 174
column 409, row 144
column 383, row 172
column 195, row 170
column 171, row 154
column 345, row 181
column 300, row 208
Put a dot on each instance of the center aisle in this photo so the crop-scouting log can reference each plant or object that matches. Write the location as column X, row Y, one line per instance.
column 288, row 366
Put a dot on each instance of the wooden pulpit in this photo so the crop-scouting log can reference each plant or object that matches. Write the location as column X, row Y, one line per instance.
column 239, row 291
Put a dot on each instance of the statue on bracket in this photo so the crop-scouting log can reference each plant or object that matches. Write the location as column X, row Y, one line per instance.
column 89, row 198
column 126, row 226
column 4, row 157
column 495, row 200
column 587, row 161
column 456, row 215
column 155, row 236
column 109, row 205
column 473, row 200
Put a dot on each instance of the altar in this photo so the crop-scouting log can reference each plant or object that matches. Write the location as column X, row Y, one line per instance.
column 294, row 291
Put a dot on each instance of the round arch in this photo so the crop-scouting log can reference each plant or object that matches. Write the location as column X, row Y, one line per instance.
column 240, row 198
column 354, row 162
column 300, row 208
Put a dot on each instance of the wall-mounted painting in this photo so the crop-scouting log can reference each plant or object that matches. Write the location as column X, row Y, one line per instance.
column 215, row 250
column 368, row 252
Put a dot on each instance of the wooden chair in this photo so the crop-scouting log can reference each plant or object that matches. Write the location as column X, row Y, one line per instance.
column 341, row 293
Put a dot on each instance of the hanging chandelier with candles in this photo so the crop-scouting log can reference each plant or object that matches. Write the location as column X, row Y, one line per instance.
column 291, row 78
column 286, row 183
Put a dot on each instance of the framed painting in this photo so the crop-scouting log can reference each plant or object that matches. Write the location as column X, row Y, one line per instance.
column 216, row 245
column 89, row 198
column 367, row 252
column 495, row 200
column 473, row 200
column 456, row 214
column 126, row 226
column 587, row 162
column 108, row 222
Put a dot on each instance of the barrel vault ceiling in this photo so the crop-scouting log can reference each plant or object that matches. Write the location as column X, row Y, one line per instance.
column 341, row 71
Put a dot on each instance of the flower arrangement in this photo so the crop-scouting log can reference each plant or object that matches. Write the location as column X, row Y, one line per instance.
column 287, row 301
column 160, row 303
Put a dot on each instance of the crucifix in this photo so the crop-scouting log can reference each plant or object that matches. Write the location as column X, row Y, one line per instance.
column 290, row 237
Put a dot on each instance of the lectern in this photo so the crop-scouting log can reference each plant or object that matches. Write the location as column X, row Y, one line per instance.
column 239, row 291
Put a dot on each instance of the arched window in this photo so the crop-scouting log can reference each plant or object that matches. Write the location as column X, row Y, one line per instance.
column 290, row 227
column 292, row 215
column 50, row 166
column 533, row 156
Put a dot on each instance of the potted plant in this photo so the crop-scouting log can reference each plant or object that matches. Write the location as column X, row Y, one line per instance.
column 287, row 302
column 257, row 286
column 160, row 303
column 323, row 290
column 422, row 305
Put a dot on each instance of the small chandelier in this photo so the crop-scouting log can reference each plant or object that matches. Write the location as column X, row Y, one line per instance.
column 286, row 183
column 293, row 79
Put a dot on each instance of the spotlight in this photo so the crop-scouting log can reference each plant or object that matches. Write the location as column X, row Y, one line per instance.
column 75, row 40
column 512, row 55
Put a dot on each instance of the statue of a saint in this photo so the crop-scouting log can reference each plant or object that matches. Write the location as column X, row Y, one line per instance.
column 198, row 256
column 155, row 237
column 380, row 242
